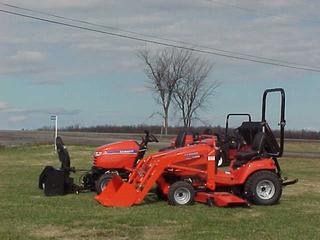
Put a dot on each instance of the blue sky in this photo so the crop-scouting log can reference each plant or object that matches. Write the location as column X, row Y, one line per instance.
column 89, row 78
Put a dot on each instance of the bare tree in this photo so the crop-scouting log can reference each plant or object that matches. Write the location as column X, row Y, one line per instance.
column 165, row 69
column 194, row 90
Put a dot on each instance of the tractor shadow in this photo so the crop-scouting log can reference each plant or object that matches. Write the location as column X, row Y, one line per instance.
column 151, row 198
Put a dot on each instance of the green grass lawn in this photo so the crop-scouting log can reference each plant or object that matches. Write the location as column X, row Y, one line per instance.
column 27, row 214
column 303, row 146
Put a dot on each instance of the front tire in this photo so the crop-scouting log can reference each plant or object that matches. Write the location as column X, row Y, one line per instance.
column 102, row 182
column 181, row 193
column 263, row 188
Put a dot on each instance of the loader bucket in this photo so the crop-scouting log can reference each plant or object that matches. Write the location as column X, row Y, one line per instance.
column 117, row 194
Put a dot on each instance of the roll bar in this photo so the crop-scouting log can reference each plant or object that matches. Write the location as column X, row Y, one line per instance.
column 282, row 122
column 235, row 114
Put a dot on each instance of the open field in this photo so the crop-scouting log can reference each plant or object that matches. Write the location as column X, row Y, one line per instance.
column 293, row 148
column 309, row 146
column 14, row 138
column 27, row 214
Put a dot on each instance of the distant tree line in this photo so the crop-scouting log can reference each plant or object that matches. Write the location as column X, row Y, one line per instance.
column 291, row 134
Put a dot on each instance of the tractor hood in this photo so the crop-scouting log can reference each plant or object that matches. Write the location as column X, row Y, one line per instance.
column 116, row 155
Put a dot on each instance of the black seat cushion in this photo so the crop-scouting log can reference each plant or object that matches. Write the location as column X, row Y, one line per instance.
column 249, row 129
column 255, row 150
column 246, row 155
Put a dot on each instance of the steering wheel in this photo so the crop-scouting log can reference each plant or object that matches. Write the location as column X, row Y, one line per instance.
column 148, row 138
column 237, row 139
column 152, row 138
column 220, row 139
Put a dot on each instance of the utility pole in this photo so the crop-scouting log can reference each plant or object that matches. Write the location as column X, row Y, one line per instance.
column 55, row 118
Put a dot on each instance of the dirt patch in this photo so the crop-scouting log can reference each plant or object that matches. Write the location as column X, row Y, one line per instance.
column 173, row 222
column 48, row 232
column 158, row 233
column 250, row 213
column 76, row 233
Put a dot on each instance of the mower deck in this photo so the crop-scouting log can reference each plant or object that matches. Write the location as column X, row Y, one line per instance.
column 220, row 199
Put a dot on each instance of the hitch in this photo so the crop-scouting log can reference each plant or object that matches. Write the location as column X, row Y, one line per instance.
column 286, row 182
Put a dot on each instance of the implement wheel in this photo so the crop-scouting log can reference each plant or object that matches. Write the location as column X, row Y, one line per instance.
column 181, row 193
column 263, row 188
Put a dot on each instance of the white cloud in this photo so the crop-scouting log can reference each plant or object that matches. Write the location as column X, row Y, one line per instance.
column 202, row 22
column 17, row 119
column 139, row 89
column 27, row 57
column 3, row 106
column 23, row 62
column 208, row 23
column 46, row 111
column 59, row 4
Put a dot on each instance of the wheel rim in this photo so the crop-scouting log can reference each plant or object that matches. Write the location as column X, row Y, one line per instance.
column 265, row 189
column 182, row 196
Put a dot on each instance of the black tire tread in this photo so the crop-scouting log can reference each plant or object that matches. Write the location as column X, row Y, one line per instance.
column 250, row 187
column 103, row 177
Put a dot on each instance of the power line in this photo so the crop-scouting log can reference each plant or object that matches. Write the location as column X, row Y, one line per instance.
column 262, row 13
column 150, row 36
column 160, row 43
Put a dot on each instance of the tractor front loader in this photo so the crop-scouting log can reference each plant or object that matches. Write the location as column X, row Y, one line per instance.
column 186, row 163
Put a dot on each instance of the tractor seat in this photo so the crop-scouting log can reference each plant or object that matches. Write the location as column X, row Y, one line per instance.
column 181, row 139
column 255, row 151
column 179, row 142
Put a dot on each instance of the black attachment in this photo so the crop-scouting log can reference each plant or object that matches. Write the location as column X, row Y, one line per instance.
column 63, row 154
column 56, row 181
column 44, row 175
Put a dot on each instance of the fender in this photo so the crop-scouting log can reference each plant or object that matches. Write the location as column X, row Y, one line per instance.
column 241, row 174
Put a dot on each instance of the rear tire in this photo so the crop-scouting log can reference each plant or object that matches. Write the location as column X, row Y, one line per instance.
column 263, row 188
column 102, row 182
column 181, row 193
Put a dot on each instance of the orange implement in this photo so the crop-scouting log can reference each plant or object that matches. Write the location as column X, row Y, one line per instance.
column 117, row 194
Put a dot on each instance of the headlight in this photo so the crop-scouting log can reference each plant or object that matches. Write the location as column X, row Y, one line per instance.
column 97, row 154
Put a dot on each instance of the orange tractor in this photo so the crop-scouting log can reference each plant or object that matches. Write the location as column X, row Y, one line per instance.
column 190, row 173
column 121, row 158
